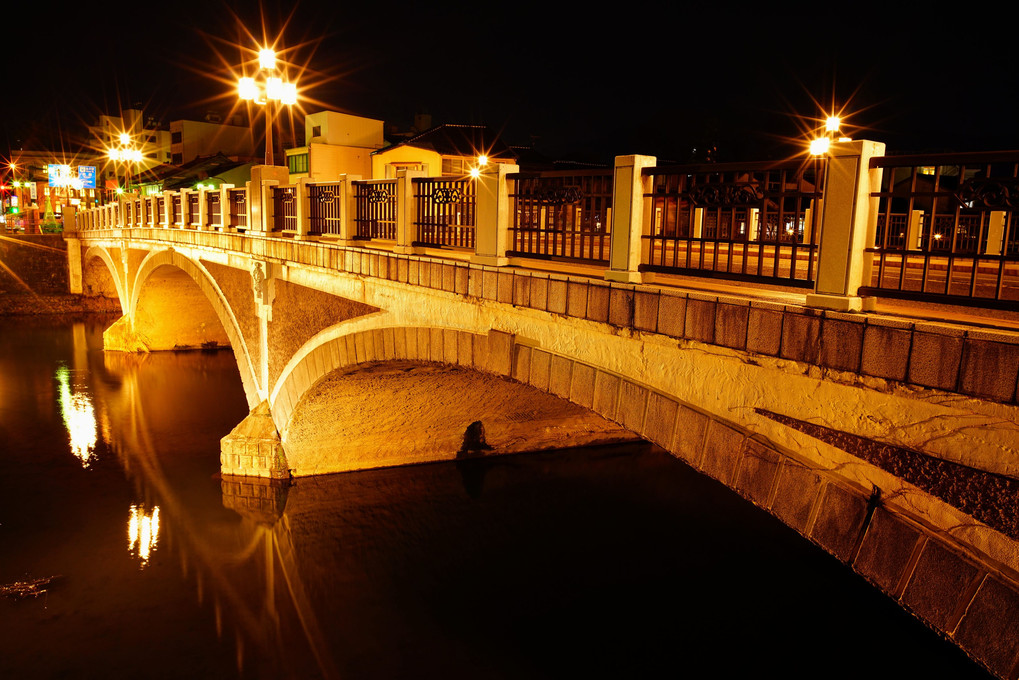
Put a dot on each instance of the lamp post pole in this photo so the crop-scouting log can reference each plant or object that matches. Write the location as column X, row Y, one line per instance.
column 273, row 89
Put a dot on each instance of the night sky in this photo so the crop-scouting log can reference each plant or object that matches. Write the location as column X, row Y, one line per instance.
column 580, row 82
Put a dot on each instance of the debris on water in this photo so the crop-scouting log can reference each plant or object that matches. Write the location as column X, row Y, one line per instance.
column 35, row 587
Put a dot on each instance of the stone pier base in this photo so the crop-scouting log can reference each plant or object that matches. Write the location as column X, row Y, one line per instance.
column 253, row 448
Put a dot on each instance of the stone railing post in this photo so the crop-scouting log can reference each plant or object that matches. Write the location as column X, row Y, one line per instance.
column 302, row 209
column 203, row 209
column 995, row 232
column 185, row 208
column 848, row 225
column 260, row 195
column 70, row 220
column 406, row 211
column 167, row 208
column 629, row 221
column 348, row 209
column 492, row 217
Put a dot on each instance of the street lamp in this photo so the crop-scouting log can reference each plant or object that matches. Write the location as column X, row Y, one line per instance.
column 126, row 153
column 271, row 88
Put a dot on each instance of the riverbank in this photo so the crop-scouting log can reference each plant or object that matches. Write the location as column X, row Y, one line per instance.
column 27, row 304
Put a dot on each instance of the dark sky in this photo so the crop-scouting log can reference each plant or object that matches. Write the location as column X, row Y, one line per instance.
column 654, row 78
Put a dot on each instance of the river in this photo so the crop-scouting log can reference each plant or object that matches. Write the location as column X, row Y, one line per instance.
column 602, row 562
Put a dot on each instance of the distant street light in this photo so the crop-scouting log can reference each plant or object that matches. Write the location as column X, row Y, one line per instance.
column 127, row 154
column 271, row 89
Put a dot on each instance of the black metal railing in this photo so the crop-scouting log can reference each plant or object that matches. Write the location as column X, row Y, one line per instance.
column 176, row 210
column 325, row 208
column 742, row 221
column 446, row 210
column 375, row 202
column 194, row 217
column 563, row 214
column 952, row 229
column 284, row 206
column 213, row 209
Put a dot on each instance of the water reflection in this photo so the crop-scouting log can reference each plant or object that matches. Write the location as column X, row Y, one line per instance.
column 79, row 417
column 142, row 532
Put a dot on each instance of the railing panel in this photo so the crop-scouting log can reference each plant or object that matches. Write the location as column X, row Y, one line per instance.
column 193, row 209
column 445, row 211
column 213, row 209
column 375, row 201
column 325, row 209
column 953, row 235
column 177, row 213
column 284, row 204
column 562, row 215
column 238, row 208
column 757, row 221
column 161, row 209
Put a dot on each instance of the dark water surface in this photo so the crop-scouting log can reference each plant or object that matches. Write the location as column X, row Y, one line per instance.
column 612, row 562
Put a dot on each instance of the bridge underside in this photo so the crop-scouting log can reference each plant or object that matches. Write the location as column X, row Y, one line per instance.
column 403, row 412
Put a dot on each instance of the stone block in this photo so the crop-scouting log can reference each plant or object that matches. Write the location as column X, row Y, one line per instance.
column 414, row 272
column 560, row 376
column 350, row 342
column 383, row 267
column 540, row 363
column 505, row 283
column 522, row 364
column 886, row 550
column 424, row 344
column 840, row 516
column 359, row 348
column 539, row 292
column 435, row 275
column 757, row 472
column 576, row 299
column 606, row 394
column 435, row 348
column 490, row 285
column 989, row 369
column 621, row 307
column 801, row 337
column 940, row 586
column 671, row 314
column 795, row 493
column 388, row 344
column 461, row 280
column 731, row 325
column 556, row 302
column 632, row 405
column 885, row 352
column 500, row 353
column 764, row 331
column 988, row 630
column 401, row 270
column 480, row 352
column 723, row 448
column 522, row 291
column 598, row 302
column 582, row 388
column 475, row 277
column 450, row 346
column 400, row 343
column 841, row 344
column 691, row 426
column 464, row 348
column 660, row 421
column 448, row 277
column 700, row 320
column 645, row 310
column 934, row 360
column 411, row 338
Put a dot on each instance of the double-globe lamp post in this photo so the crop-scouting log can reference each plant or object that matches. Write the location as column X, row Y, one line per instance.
column 263, row 92
column 127, row 154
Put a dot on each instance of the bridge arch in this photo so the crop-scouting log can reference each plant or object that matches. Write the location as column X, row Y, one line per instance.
column 174, row 303
column 96, row 276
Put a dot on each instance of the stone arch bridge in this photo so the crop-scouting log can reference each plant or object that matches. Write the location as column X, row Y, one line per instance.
column 354, row 358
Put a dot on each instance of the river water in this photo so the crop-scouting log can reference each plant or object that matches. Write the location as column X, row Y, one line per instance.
column 607, row 562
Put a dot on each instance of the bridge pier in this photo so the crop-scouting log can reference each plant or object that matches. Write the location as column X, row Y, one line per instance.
column 253, row 448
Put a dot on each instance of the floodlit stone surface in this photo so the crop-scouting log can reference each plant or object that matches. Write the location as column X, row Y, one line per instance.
column 399, row 413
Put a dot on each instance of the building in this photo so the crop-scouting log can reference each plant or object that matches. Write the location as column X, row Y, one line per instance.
column 443, row 150
column 190, row 139
column 335, row 144
column 130, row 130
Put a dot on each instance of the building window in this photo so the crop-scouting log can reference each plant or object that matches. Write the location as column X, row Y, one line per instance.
column 176, row 137
column 454, row 166
column 298, row 163
column 316, row 131
column 178, row 158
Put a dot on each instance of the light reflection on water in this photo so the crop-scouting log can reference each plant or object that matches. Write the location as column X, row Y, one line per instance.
column 142, row 532
column 598, row 562
column 79, row 417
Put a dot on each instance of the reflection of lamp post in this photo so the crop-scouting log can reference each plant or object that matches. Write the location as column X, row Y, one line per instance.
column 272, row 89
column 126, row 154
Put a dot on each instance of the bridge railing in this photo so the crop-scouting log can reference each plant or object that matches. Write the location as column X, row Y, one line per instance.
column 737, row 221
column 940, row 228
column 562, row 215
column 947, row 229
column 445, row 209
